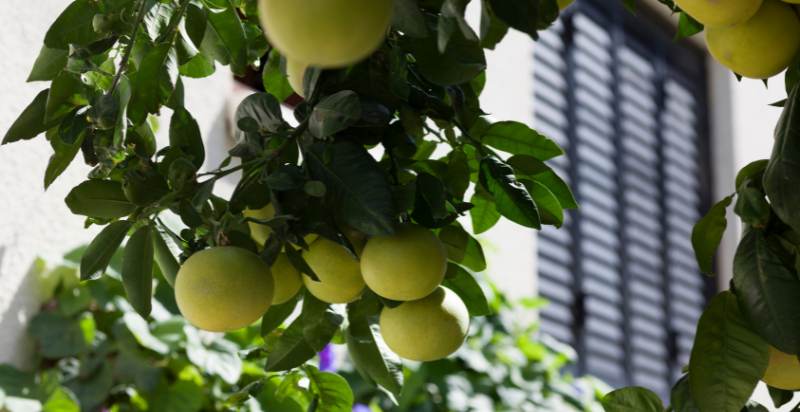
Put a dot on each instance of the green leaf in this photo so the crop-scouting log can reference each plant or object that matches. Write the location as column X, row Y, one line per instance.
column 727, row 359
column 707, row 234
column 137, row 270
column 73, row 26
column 767, row 285
column 102, row 199
column 57, row 336
column 632, row 399
column 320, row 322
column 370, row 355
column 458, row 173
column 31, row 122
column 519, row 139
column 511, row 198
column 408, row 19
column 66, row 93
column 681, row 396
column 184, row 133
column 228, row 27
column 259, row 112
column 151, row 84
column 687, row 26
column 333, row 391
column 16, row 382
column 752, row 207
column 291, row 350
column 140, row 330
column 335, row 113
column 782, row 176
column 357, row 184
column 467, row 288
column 275, row 81
column 549, row 207
column 752, row 170
column 462, row 60
column 65, row 143
column 493, row 30
column 181, row 396
column 483, row 213
column 218, row 357
column 62, row 400
column 462, row 248
column 780, row 397
column 526, row 16
column 166, row 261
column 49, row 64
column 100, row 251
column 276, row 315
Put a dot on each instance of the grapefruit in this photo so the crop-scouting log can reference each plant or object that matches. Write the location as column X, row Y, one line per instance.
column 720, row 13
column 287, row 280
column 783, row 371
column 338, row 271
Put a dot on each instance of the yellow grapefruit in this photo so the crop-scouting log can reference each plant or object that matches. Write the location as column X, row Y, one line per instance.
column 296, row 72
column 783, row 371
column 720, row 13
column 338, row 271
column 287, row 280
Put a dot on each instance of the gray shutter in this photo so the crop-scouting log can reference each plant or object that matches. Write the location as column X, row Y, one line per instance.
column 628, row 105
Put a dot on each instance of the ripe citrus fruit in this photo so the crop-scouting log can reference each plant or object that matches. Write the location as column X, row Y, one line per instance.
column 783, row 371
column 338, row 271
column 223, row 288
column 427, row 329
column 563, row 4
column 296, row 72
column 760, row 47
column 287, row 280
column 407, row 265
column 258, row 231
column 720, row 13
column 328, row 34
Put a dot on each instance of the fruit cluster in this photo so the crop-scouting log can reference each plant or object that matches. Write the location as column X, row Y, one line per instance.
column 227, row 288
column 754, row 38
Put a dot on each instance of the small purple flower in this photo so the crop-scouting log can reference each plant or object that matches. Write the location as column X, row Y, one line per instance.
column 360, row 407
column 327, row 359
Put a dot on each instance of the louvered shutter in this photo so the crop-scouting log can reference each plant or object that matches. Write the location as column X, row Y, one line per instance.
column 629, row 106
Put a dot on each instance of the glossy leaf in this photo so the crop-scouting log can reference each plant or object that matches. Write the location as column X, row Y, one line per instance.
column 320, row 322
column 483, row 214
column 48, row 64
column 184, row 134
column 73, row 26
column 259, row 112
column 291, row 349
column 137, row 270
column 519, row 139
column 707, row 234
column 462, row 247
column 166, row 261
column 727, row 359
column 512, row 200
column 100, row 251
column 31, row 122
column 65, row 143
column 782, row 176
column 102, row 199
column 276, row 315
column 467, row 288
column 334, row 393
column 335, row 113
column 632, row 399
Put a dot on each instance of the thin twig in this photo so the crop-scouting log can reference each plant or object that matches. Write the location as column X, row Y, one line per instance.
column 126, row 57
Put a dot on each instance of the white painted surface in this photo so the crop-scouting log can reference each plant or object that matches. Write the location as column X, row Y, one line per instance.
column 34, row 222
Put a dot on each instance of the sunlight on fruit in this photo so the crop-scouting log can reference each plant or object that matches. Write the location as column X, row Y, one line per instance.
column 328, row 34
column 260, row 232
column 223, row 289
column 296, row 71
column 563, row 4
column 339, row 274
column 287, row 280
column 408, row 265
column 720, row 13
column 427, row 329
column 783, row 371
column 760, row 47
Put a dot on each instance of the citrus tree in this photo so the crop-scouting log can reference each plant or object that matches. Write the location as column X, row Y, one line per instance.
column 356, row 199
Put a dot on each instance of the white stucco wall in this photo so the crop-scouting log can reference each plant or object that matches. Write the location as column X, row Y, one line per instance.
column 34, row 222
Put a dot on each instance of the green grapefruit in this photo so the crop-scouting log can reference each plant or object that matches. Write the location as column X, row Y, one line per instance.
column 261, row 232
column 720, row 13
column 223, row 288
column 296, row 72
column 287, row 280
column 760, row 47
column 407, row 265
column 783, row 371
column 338, row 271
column 427, row 329
column 326, row 33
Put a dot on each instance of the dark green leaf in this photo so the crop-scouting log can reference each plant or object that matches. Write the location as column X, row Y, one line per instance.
column 511, row 198
column 767, row 286
column 228, row 27
column 31, row 122
column 519, row 139
column 370, row 355
column 707, row 234
column 291, row 349
column 73, row 26
column 549, row 207
column 780, row 397
column 151, row 84
column 66, row 93
column 752, row 207
column 467, row 288
column 728, row 358
column 184, row 134
column 320, row 322
column 102, row 199
column 276, row 315
column 99, row 253
column 166, row 261
column 462, row 248
column 681, row 397
column 483, row 213
column 137, row 270
column 58, row 336
column 335, row 113
column 632, row 399
column 48, row 65
column 752, row 170
column 72, row 130
column 525, row 15
column 259, row 112
column 181, row 396
column 458, row 173
column 357, row 184
column 493, row 30
column 461, row 61
column 409, row 19
column 782, row 177
column 334, row 393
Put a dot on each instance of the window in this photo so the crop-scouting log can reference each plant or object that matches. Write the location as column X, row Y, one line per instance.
column 629, row 105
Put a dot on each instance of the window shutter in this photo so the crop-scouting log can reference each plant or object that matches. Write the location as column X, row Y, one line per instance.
column 628, row 104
